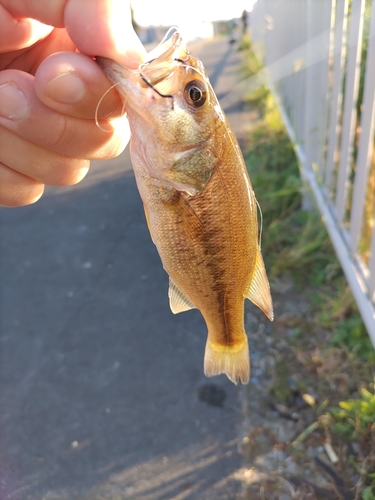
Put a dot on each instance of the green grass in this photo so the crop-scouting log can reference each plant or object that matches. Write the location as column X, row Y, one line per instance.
column 293, row 240
column 296, row 243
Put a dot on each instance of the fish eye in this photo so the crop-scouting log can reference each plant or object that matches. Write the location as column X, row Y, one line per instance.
column 195, row 93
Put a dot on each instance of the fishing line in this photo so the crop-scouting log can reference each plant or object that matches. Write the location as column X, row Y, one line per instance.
column 152, row 86
column 261, row 224
column 204, row 77
column 99, row 103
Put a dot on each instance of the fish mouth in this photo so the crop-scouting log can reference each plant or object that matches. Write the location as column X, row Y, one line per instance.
column 155, row 74
column 160, row 64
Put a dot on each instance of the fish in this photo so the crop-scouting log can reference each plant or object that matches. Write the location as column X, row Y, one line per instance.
column 198, row 199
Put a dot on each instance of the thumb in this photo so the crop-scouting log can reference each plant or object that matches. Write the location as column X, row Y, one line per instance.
column 104, row 28
column 19, row 33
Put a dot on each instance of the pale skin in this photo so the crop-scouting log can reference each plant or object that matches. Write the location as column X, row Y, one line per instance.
column 50, row 88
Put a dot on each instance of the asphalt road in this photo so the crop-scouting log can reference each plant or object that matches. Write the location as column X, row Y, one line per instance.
column 103, row 394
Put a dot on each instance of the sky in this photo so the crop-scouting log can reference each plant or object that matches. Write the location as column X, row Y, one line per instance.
column 175, row 12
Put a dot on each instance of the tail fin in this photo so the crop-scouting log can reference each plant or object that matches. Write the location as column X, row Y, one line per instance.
column 234, row 361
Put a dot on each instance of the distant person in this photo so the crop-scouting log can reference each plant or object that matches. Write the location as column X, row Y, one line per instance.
column 47, row 102
column 244, row 18
column 234, row 31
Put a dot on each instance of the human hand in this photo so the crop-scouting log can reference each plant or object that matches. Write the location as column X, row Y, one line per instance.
column 49, row 91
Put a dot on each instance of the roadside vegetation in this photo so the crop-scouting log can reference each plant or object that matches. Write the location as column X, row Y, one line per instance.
column 321, row 378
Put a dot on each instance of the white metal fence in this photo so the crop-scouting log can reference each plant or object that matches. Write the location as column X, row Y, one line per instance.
column 319, row 58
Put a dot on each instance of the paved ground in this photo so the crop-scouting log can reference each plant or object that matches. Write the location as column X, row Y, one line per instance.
column 102, row 387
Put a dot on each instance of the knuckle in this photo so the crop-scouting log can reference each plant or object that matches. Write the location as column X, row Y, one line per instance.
column 67, row 172
column 16, row 189
column 77, row 138
column 111, row 150
column 62, row 137
column 21, row 194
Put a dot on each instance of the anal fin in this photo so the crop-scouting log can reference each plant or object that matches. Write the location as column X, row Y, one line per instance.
column 178, row 301
column 259, row 292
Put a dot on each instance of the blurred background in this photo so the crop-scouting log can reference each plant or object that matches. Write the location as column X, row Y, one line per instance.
column 194, row 22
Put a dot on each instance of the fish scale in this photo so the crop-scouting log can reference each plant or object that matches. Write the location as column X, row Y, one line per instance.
column 199, row 202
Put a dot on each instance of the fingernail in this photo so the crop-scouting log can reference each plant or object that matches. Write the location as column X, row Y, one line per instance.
column 67, row 88
column 13, row 102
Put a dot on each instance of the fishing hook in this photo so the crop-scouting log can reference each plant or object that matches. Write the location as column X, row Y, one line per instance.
column 152, row 86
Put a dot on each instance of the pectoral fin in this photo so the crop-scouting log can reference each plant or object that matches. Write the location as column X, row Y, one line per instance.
column 259, row 292
column 191, row 170
column 178, row 301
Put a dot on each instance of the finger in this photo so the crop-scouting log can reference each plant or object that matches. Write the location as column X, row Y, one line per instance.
column 35, row 162
column 24, row 114
column 20, row 33
column 29, row 59
column 107, row 30
column 45, row 11
column 111, row 23
column 98, row 27
column 16, row 189
column 73, row 84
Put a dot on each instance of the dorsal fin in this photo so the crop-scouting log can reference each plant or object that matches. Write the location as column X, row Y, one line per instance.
column 259, row 292
column 178, row 301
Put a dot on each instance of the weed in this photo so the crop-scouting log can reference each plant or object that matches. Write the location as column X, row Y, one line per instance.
column 369, row 492
column 296, row 243
column 245, row 42
column 293, row 240
column 356, row 417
